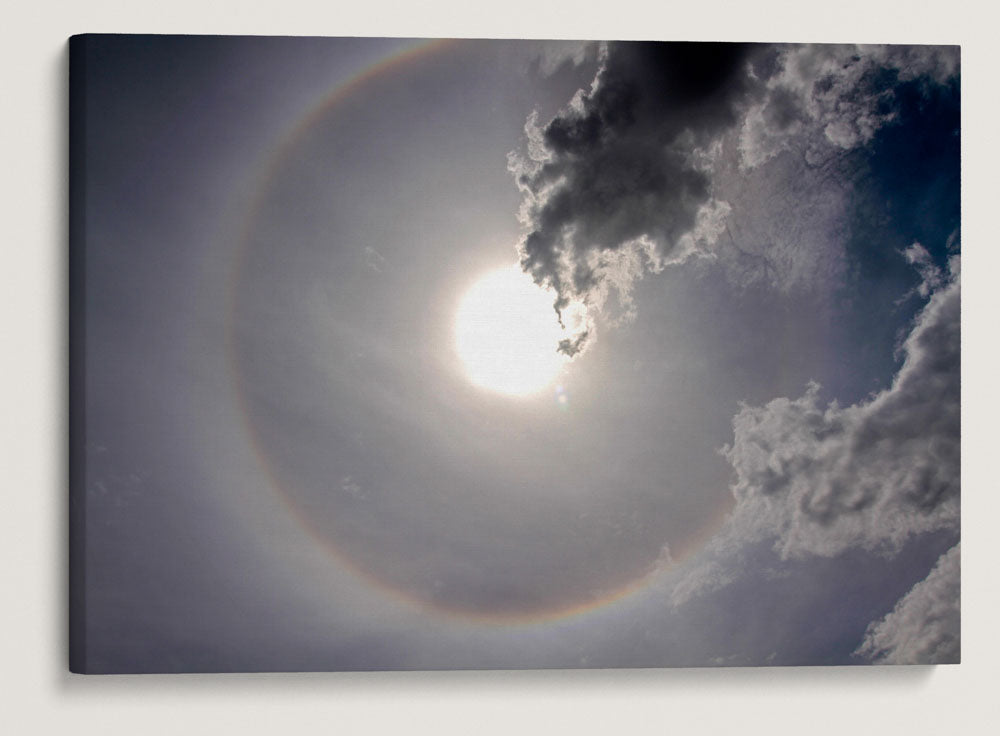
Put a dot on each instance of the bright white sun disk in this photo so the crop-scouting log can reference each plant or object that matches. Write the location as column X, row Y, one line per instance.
column 506, row 333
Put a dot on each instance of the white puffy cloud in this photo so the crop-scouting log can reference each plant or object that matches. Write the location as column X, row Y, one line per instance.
column 925, row 625
column 834, row 96
column 873, row 474
column 819, row 480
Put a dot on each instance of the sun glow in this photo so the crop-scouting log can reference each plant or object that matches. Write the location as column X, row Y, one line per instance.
column 506, row 333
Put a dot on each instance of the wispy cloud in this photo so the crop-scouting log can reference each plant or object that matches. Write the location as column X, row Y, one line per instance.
column 349, row 486
column 925, row 625
column 373, row 259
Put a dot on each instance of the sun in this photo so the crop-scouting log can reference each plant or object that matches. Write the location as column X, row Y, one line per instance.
column 506, row 333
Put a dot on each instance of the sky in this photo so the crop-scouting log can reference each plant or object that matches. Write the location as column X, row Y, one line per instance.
column 750, row 456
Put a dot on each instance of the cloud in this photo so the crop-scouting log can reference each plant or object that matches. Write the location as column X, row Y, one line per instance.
column 555, row 55
column 623, row 169
column 819, row 480
column 786, row 226
column 373, row 259
column 349, row 486
column 931, row 276
column 803, row 156
column 925, row 625
column 645, row 166
column 829, row 97
column 712, row 574
column 873, row 474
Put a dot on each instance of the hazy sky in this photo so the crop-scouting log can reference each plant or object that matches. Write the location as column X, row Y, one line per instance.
column 751, row 458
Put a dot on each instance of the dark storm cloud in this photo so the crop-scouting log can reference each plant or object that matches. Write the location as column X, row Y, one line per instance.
column 925, row 625
column 620, row 168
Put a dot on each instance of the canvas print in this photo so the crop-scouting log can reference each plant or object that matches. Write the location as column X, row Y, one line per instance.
column 396, row 354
